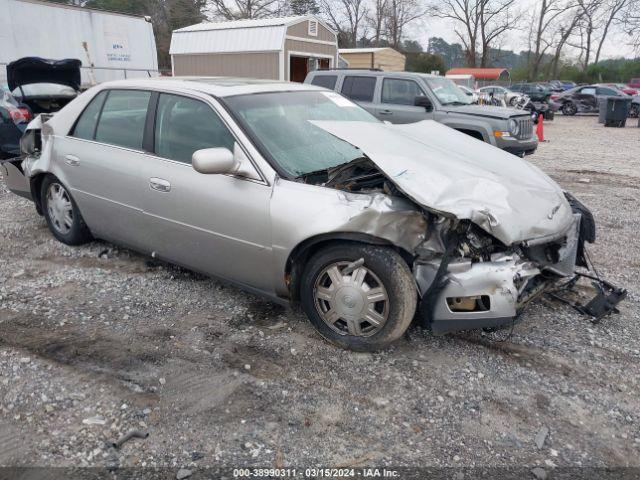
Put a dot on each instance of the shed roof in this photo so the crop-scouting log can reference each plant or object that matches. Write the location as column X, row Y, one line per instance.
column 367, row 50
column 480, row 73
column 255, row 35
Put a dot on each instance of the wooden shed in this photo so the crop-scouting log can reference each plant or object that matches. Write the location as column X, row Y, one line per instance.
column 275, row 48
column 385, row 58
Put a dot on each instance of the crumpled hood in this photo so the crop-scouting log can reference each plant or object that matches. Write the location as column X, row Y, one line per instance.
column 485, row 111
column 450, row 172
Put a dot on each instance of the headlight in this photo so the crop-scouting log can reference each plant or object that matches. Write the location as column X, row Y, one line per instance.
column 514, row 127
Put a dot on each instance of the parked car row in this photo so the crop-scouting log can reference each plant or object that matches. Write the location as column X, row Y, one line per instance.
column 299, row 193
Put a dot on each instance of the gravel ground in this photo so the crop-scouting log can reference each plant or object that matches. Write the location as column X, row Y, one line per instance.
column 96, row 341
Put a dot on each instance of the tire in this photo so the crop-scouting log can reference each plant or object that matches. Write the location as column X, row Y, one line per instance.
column 569, row 109
column 62, row 214
column 513, row 101
column 384, row 273
column 634, row 110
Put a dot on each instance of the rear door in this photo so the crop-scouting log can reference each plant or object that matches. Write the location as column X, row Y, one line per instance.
column 217, row 224
column 397, row 101
column 104, row 164
column 361, row 89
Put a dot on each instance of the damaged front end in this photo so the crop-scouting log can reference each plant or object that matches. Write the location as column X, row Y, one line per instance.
column 495, row 236
column 479, row 283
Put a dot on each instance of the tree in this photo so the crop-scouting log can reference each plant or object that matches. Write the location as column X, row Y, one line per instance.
column 400, row 14
column 464, row 14
column 615, row 9
column 244, row 9
column 424, row 62
column 375, row 18
column 304, row 7
column 347, row 18
column 543, row 22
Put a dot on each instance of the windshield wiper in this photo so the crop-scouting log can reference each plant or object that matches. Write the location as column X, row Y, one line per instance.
column 455, row 103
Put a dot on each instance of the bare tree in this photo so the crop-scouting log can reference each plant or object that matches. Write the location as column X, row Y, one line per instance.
column 399, row 14
column 566, row 29
column 496, row 18
column 347, row 17
column 614, row 9
column 630, row 23
column 464, row 14
column 244, row 9
column 479, row 24
column 376, row 19
column 543, row 33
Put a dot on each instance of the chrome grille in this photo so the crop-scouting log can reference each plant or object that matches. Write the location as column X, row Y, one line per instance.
column 526, row 127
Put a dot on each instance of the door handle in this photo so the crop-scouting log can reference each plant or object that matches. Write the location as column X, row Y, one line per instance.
column 72, row 160
column 386, row 112
column 159, row 184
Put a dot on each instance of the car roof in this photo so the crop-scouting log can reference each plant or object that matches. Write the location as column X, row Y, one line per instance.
column 216, row 86
column 372, row 72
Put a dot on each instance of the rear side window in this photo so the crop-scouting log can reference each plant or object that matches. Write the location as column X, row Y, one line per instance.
column 359, row 89
column 123, row 118
column 607, row 91
column 588, row 91
column 326, row 81
column 184, row 125
column 400, row 92
column 86, row 125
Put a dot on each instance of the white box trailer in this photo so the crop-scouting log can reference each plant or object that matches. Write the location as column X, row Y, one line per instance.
column 119, row 46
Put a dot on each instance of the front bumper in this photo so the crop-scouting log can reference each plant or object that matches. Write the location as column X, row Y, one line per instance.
column 518, row 147
column 491, row 293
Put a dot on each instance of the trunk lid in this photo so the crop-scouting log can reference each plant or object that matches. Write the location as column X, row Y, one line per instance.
column 30, row 70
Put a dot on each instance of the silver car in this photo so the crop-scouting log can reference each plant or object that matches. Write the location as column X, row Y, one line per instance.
column 297, row 193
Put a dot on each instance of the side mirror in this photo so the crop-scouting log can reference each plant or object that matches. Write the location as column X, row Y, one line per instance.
column 214, row 161
column 423, row 101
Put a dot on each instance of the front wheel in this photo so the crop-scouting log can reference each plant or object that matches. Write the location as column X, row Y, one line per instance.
column 569, row 109
column 62, row 214
column 359, row 297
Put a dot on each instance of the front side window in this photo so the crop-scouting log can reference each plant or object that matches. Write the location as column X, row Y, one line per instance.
column 86, row 125
column 359, row 89
column 326, row 81
column 448, row 93
column 123, row 118
column 400, row 92
column 185, row 125
column 281, row 124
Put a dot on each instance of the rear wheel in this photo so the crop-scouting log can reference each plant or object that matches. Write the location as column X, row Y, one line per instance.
column 62, row 214
column 634, row 110
column 359, row 297
column 569, row 109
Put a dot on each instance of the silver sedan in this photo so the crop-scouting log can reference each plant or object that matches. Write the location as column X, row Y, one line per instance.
column 296, row 193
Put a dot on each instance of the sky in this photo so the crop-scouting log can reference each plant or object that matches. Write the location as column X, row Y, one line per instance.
column 614, row 47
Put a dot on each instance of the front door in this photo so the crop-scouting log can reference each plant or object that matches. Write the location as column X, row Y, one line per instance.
column 217, row 224
column 397, row 102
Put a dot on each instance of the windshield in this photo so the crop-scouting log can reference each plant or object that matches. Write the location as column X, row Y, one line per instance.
column 447, row 92
column 281, row 124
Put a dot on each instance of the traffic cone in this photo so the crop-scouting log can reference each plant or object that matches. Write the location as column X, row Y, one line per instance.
column 540, row 128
